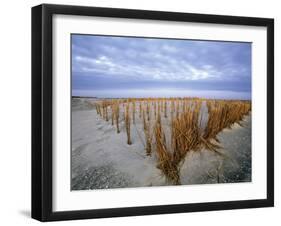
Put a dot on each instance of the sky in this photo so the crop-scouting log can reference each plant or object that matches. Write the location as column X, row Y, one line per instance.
column 117, row 67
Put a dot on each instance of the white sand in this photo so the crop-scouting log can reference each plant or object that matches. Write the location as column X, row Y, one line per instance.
column 102, row 159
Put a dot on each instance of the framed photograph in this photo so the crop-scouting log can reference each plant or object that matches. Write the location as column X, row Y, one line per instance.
column 140, row 112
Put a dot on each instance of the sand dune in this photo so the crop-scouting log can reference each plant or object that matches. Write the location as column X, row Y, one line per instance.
column 101, row 158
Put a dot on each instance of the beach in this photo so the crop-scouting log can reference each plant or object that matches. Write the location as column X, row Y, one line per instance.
column 101, row 158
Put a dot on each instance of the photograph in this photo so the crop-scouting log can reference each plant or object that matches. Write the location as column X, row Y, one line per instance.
column 151, row 111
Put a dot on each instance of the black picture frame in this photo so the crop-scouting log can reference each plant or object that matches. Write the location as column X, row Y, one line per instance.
column 42, row 107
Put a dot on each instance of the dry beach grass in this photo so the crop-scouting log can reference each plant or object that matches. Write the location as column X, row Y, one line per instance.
column 172, row 127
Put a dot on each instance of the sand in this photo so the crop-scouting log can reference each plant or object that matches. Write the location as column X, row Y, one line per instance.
column 101, row 158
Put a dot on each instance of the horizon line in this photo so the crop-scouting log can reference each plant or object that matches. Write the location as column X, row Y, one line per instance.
column 181, row 97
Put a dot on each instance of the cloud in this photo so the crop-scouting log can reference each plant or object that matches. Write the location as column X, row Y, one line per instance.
column 161, row 61
column 177, row 71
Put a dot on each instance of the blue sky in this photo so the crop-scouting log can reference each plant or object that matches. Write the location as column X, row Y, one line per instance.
column 107, row 66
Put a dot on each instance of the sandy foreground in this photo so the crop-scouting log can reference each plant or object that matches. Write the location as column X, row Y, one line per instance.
column 101, row 158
